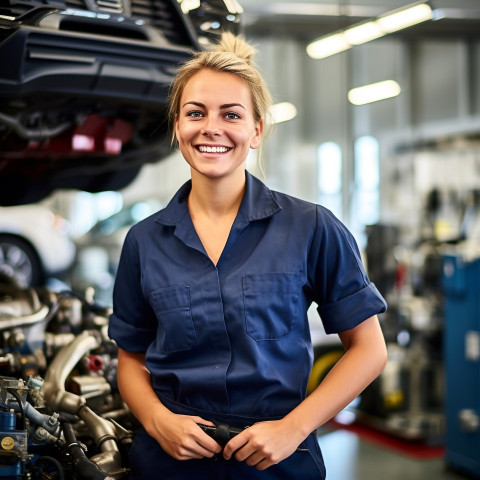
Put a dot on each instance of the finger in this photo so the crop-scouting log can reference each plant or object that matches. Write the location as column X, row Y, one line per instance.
column 263, row 464
column 195, row 450
column 235, row 444
column 207, row 442
column 244, row 453
column 202, row 421
column 188, row 455
column 254, row 459
column 206, row 452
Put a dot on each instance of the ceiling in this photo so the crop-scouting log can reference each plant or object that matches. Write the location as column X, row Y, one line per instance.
column 307, row 20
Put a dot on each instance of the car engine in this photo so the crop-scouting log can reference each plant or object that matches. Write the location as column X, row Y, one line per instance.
column 61, row 415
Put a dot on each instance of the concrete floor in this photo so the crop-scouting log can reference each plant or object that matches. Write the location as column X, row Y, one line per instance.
column 347, row 457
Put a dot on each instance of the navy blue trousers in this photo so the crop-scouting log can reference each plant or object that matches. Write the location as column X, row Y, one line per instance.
column 149, row 462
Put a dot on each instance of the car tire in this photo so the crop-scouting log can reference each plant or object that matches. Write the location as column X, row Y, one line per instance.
column 20, row 261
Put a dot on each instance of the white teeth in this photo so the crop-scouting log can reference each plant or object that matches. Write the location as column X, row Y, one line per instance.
column 206, row 149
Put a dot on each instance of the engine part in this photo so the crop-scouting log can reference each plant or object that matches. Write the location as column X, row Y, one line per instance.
column 57, row 398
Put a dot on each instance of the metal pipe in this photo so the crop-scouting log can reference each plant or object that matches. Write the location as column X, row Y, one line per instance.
column 33, row 134
column 53, row 388
column 58, row 399
column 24, row 320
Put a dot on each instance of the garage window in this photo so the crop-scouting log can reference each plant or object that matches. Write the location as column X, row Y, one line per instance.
column 330, row 177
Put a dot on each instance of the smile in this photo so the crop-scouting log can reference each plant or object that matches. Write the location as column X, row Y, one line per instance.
column 205, row 149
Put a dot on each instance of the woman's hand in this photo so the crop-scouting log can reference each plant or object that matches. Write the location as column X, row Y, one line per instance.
column 181, row 437
column 263, row 444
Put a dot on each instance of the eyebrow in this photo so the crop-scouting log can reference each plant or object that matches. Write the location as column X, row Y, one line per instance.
column 222, row 107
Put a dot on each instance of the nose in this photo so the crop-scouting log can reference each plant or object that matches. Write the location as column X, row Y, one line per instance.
column 211, row 127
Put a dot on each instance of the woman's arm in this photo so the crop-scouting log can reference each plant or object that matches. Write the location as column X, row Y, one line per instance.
column 179, row 435
column 267, row 443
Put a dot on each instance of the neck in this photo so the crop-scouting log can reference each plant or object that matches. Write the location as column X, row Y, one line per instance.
column 216, row 197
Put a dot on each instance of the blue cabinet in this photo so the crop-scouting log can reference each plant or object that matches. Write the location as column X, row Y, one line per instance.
column 461, row 284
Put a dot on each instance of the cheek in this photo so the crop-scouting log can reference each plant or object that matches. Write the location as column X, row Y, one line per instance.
column 184, row 133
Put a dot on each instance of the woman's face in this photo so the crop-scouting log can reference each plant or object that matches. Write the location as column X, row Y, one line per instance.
column 215, row 127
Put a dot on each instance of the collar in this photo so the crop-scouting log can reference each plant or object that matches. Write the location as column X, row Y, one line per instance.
column 258, row 203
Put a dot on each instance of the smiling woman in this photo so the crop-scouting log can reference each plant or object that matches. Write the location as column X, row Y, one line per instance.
column 215, row 125
column 211, row 298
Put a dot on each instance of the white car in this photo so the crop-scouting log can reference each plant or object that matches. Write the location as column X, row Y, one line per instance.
column 34, row 244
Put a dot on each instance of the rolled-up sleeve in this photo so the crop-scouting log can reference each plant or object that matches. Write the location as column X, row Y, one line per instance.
column 344, row 294
column 133, row 323
column 352, row 310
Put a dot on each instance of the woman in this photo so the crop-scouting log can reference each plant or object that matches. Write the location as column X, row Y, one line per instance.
column 211, row 299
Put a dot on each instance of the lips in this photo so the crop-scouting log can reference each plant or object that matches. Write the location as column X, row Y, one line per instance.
column 211, row 149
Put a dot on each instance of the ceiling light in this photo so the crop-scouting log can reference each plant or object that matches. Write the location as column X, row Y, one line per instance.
column 365, row 32
column 374, row 92
column 282, row 112
column 233, row 6
column 328, row 46
column 405, row 18
column 189, row 5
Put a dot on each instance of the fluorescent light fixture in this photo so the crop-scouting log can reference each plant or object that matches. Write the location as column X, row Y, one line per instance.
column 324, row 47
column 365, row 32
column 188, row 5
column 374, row 92
column 405, row 18
column 282, row 112
column 233, row 6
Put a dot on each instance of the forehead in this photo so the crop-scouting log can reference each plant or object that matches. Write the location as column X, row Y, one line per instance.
column 221, row 87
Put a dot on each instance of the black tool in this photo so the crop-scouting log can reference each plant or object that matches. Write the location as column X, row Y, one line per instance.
column 223, row 433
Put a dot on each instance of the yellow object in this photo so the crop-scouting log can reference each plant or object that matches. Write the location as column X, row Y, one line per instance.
column 7, row 443
column 394, row 399
column 321, row 367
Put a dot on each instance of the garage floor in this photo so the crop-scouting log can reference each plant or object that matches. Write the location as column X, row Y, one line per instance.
column 347, row 457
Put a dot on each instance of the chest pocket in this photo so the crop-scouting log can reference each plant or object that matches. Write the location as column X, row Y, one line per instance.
column 271, row 304
column 172, row 307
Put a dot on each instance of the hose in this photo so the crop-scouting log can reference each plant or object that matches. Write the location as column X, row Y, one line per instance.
column 84, row 468
column 55, row 462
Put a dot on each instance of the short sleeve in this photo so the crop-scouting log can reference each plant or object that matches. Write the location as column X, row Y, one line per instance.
column 340, row 284
column 133, row 323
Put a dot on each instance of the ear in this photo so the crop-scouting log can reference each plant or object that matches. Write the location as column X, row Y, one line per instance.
column 175, row 133
column 257, row 138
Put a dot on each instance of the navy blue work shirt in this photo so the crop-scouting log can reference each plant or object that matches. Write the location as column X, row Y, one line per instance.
column 232, row 341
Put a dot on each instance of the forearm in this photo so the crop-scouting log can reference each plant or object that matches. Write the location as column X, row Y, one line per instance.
column 363, row 361
column 178, row 435
column 135, row 386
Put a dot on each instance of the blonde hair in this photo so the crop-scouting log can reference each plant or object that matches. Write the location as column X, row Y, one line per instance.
column 232, row 55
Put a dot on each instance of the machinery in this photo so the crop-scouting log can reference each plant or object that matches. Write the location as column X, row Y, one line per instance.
column 61, row 415
column 407, row 400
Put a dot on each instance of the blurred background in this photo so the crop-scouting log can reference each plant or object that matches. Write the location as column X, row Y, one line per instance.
column 377, row 117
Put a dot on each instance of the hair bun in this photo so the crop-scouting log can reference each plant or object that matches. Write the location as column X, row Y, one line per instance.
column 236, row 45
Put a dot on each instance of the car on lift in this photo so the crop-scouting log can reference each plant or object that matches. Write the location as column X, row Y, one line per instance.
column 84, row 84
